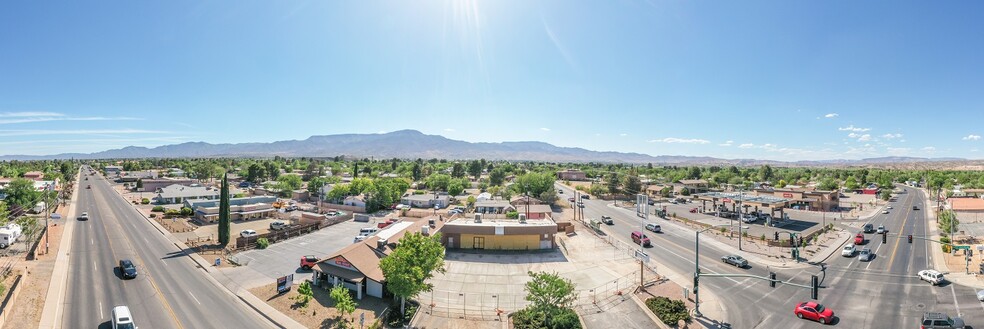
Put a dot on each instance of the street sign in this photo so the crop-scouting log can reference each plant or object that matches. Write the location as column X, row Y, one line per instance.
column 642, row 256
column 961, row 247
column 284, row 283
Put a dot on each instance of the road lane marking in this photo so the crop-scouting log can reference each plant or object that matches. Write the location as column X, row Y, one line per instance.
column 876, row 255
column 101, row 311
column 92, row 241
column 956, row 304
column 193, row 297
column 891, row 260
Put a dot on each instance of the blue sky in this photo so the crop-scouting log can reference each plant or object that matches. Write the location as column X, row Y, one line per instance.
column 789, row 80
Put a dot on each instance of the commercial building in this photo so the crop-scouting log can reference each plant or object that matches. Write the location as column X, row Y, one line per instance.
column 152, row 185
column 571, row 174
column 429, row 200
column 112, row 170
column 207, row 211
column 173, row 194
column 499, row 234
column 356, row 267
column 968, row 210
column 815, row 200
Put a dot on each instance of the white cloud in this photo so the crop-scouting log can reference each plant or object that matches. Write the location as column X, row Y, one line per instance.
column 78, row 132
column 680, row 140
column 450, row 130
column 891, row 136
column 27, row 117
column 30, row 114
column 929, row 149
column 623, row 134
column 728, row 143
column 545, row 129
column 972, row 137
column 853, row 128
column 898, row 150
column 831, row 115
column 853, row 135
column 746, row 146
column 864, row 138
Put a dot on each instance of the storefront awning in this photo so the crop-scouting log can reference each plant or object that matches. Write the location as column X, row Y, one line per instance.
column 341, row 272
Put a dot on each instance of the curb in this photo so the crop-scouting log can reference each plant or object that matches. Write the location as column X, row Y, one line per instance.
column 59, row 274
column 659, row 323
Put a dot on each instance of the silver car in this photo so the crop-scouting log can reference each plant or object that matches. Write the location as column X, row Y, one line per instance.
column 866, row 255
column 980, row 295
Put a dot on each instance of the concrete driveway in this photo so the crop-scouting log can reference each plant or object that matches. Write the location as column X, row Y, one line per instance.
column 265, row 266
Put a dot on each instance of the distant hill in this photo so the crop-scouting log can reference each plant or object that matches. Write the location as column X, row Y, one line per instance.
column 412, row 144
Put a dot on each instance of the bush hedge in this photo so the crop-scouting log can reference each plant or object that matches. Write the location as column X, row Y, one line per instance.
column 669, row 311
column 145, row 201
column 528, row 318
column 262, row 243
column 158, row 209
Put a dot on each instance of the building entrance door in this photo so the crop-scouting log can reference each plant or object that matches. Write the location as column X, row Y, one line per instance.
column 479, row 243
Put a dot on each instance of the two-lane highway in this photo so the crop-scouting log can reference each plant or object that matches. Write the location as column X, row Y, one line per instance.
column 170, row 290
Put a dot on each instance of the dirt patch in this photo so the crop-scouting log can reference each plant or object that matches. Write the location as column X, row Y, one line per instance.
column 26, row 310
column 320, row 312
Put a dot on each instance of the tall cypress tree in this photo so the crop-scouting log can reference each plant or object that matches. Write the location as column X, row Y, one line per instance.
column 224, row 227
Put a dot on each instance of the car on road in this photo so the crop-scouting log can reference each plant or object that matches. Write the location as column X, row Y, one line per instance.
column 127, row 269
column 360, row 238
column 937, row 320
column 693, row 210
column 580, row 204
column 866, row 255
column 881, row 229
column 932, row 276
column 641, row 239
column 456, row 212
column 655, row 228
column 859, row 239
column 585, row 196
column 560, row 191
column 735, row 260
column 84, row 216
column 868, row 228
column 571, row 199
column 889, row 207
column 814, row 311
column 915, row 207
column 247, row 233
column 885, row 212
column 122, row 319
column 849, row 250
column 88, row 187
column 749, row 219
column 307, row 262
column 980, row 295
column 607, row 220
column 278, row 225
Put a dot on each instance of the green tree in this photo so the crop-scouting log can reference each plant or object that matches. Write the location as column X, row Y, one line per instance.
column 851, row 183
column 948, row 222
column 254, row 173
column 343, row 301
column 288, row 183
column 21, row 193
column 632, row 185
column 827, row 184
column 224, row 224
column 765, row 173
column 458, row 170
column 410, row 266
column 139, row 184
column 613, row 183
column 685, row 191
column 666, row 191
column 475, row 169
column 551, row 298
column 535, row 183
column 886, row 194
column 438, row 182
column 455, row 187
column 782, row 183
column 471, row 201
column 68, row 170
column 416, row 172
column 497, row 176
column 304, row 294
column 272, row 170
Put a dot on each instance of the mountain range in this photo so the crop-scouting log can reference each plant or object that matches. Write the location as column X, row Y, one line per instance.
column 412, row 144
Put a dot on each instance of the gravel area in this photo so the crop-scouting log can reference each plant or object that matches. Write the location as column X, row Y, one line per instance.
column 320, row 312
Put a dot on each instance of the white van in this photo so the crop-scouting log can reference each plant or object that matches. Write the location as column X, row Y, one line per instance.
column 122, row 318
column 368, row 231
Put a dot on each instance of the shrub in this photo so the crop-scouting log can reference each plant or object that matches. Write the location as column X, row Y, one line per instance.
column 262, row 243
column 396, row 320
column 762, row 237
column 172, row 212
column 185, row 211
column 153, row 215
column 670, row 311
column 158, row 209
column 529, row 318
column 419, row 192
column 723, row 230
column 145, row 201
column 512, row 214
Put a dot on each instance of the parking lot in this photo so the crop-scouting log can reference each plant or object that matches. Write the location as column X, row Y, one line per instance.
column 262, row 266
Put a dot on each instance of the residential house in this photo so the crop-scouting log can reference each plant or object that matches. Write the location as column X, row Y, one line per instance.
column 176, row 172
column 239, row 208
column 133, row 176
column 695, row 185
column 483, row 196
column 536, row 211
column 441, row 200
column 493, row 207
column 34, row 175
column 154, row 184
column 355, row 201
column 520, row 200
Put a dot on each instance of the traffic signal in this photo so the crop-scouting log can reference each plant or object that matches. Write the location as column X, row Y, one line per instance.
column 910, row 238
column 777, row 236
column 696, row 280
column 795, row 254
column 884, row 238
column 816, row 287
column 772, row 279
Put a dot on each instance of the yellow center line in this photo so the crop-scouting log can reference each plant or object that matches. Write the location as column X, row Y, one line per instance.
column 160, row 295
column 908, row 209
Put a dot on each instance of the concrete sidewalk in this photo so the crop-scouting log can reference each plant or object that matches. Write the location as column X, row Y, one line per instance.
column 51, row 315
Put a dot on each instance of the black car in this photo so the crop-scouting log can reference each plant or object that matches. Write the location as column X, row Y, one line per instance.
column 868, row 228
column 127, row 269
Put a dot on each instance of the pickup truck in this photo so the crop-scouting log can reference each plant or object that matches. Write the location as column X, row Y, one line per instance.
column 607, row 220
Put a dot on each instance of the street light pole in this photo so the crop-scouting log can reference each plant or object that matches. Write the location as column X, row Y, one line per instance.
column 697, row 269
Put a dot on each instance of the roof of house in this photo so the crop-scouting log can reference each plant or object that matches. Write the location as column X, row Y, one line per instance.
column 537, row 208
column 692, row 181
column 493, row 204
column 520, row 198
column 484, row 195
column 233, row 201
column 34, row 173
column 967, row 204
column 425, row 197
column 363, row 256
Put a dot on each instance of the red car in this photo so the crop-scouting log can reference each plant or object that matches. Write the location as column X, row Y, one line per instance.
column 859, row 239
column 814, row 311
column 307, row 262
column 693, row 210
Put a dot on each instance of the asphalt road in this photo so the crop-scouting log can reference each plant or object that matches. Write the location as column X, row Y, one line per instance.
column 169, row 292
column 883, row 293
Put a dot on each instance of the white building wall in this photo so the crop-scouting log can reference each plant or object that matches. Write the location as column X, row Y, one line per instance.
column 374, row 289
